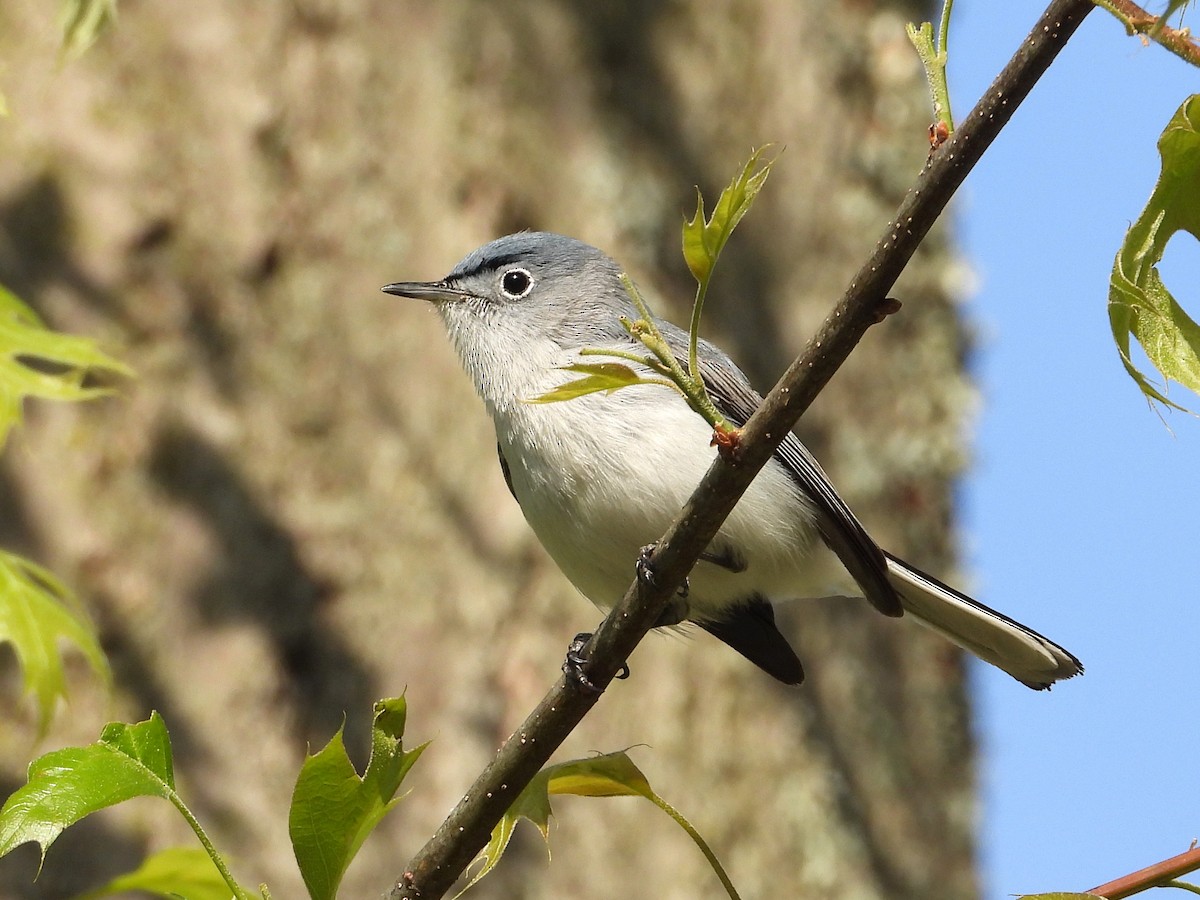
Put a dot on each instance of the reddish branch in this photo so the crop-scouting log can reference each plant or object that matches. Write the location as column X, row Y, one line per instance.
column 1139, row 21
column 1156, row 875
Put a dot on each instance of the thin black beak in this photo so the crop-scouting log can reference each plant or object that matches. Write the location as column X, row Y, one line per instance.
column 433, row 291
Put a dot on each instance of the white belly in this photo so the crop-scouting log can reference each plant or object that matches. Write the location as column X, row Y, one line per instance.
column 601, row 480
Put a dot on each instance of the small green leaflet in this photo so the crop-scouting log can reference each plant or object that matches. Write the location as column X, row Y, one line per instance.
column 1138, row 300
column 703, row 241
column 606, row 377
column 334, row 809
column 37, row 612
column 610, row 775
column 174, row 872
column 66, row 785
column 23, row 338
column 83, row 21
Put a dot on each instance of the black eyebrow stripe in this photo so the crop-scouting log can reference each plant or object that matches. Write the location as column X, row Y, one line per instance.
column 492, row 263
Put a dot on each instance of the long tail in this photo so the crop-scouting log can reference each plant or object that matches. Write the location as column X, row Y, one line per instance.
column 1024, row 654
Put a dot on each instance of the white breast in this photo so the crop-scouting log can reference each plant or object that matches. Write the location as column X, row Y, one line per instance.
column 601, row 476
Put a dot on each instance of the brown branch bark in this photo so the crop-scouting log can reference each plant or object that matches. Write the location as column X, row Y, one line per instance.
column 466, row 831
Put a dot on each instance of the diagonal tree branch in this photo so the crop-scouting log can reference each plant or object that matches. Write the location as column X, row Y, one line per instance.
column 466, row 831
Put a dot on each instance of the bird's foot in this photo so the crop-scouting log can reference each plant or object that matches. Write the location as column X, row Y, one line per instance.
column 676, row 609
column 646, row 571
column 577, row 659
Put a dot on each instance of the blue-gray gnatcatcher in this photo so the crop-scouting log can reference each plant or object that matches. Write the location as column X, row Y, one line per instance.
column 600, row 476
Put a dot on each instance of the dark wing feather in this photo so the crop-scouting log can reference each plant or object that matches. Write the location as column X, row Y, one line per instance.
column 839, row 527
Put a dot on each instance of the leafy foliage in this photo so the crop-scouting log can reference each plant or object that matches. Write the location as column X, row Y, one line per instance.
column 67, row 785
column 37, row 611
column 83, row 21
column 703, row 241
column 1138, row 300
column 174, row 872
column 610, row 775
column 38, row 362
column 606, row 377
column 334, row 809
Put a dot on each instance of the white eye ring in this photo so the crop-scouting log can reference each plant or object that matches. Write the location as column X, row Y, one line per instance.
column 516, row 283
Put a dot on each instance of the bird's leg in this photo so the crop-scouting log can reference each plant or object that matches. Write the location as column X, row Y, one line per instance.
column 577, row 659
column 673, row 613
column 676, row 609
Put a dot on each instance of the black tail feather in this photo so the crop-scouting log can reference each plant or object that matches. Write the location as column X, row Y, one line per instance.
column 751, row 631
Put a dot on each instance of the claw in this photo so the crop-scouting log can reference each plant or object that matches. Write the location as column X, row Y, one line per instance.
column 646, row 573
column 577, row 659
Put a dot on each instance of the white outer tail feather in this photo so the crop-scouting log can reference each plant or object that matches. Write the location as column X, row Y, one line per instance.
column 1024, row 654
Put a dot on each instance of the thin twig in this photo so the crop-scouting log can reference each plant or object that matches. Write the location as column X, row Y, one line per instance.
column 1151, row 27
column 464, row 833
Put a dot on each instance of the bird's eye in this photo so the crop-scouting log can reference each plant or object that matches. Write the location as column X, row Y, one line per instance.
column 516, row 283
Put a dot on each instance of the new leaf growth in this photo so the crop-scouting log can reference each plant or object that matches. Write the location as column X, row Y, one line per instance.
column 703, row 241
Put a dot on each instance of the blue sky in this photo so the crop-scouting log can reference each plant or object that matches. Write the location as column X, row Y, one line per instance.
column 1079, row 516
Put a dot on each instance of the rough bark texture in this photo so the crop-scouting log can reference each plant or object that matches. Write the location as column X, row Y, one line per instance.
column 296, row 508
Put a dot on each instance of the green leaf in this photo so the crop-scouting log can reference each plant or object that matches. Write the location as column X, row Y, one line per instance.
column 704, row 240
column 148, row 745
column 1139, row 303
column 334, row 809
column 36, row 611
column 83, row 21
column 38, row 362
column 174, row 872
column 606, row 377
column 37, row 614
column 610, row 775
column 66, row 785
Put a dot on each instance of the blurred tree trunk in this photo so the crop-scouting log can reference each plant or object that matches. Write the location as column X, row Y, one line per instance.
column 296, row 508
